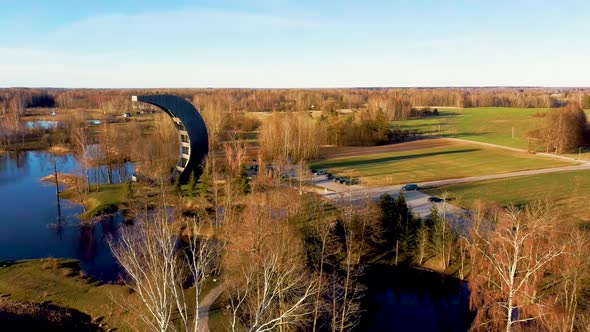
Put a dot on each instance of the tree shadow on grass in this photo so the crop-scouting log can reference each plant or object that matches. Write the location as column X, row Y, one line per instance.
column 30, row 316
column 353, row 163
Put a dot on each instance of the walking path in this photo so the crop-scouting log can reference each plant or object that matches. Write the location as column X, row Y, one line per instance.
column 543, row 154
column 205, row 306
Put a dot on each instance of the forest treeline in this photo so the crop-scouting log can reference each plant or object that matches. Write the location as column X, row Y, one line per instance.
column 398, row 101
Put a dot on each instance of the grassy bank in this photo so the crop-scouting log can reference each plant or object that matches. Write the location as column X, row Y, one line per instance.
column 58, row 281
column 453, row 160
column 568, row 190
column 25, row 146
column 102, row 199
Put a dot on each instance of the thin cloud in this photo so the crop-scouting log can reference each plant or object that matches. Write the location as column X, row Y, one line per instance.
column 178, row 24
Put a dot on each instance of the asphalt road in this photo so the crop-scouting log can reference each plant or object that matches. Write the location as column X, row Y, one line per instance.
column 417, row 200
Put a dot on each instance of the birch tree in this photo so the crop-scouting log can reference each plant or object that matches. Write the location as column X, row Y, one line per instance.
column 157, row 271
column 510, row 259
column 269, row 287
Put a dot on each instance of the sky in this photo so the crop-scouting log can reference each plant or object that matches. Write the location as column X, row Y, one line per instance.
column 293, row 43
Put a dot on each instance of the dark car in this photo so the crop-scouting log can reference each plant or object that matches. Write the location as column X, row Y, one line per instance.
column 347, row 182
column 336, row 179
column 342, row 180
column 410, row 186
column 321, row 171
column 329, row 176
column 313, row 171
column 435, row 199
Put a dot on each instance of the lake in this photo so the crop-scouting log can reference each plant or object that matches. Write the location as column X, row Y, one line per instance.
column 28, row 216
column 408, row 299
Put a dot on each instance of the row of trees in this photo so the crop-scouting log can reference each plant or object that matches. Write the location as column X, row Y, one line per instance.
column 298, row 136
column 396, row 101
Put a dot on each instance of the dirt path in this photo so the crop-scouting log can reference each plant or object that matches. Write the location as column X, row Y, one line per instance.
column 424, row 143
column 438, row 183
column 205, row 306
column 543, row 154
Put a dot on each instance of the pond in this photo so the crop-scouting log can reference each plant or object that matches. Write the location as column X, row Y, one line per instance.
column 28, row 216
column 51, row 124
column 43, row 124
column 408, row 299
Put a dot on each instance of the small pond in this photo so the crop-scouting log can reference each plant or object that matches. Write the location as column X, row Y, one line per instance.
column 28, row 216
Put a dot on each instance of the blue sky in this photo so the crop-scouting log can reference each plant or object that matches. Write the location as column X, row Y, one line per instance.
column 299, row 43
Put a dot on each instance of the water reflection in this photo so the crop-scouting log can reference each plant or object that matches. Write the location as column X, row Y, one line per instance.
column 12, row 167
column 28, row 214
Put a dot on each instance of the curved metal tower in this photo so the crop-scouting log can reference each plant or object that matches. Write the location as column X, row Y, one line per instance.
column 192, row 132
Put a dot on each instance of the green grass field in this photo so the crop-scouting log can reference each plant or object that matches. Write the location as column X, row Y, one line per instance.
column 482, row 124
column 569, row 191
column 455, row 160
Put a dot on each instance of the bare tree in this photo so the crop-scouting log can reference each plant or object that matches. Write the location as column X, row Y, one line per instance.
column 571, row 271
column 80, row 138
column 344, row 289
column 269, row 287
column 422, row 242
column 197, row 258
column 510, row 259
column 443, row 239
column 157, row 272
column 146, row 252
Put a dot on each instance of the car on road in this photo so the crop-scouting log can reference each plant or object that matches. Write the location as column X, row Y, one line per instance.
column 314, row 171
column 435, row 199
column 409, row 187
column 342, row 180
column 321, row 171
column 336, row 179
column 329, row 176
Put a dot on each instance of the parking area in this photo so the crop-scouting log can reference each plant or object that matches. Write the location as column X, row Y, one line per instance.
column 417, row 200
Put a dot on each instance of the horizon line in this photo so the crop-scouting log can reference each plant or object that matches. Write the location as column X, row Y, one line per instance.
column 310, row 88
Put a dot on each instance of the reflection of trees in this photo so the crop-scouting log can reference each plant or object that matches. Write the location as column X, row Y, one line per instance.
column 13, row 167
column 87, row 244
column 93, row 237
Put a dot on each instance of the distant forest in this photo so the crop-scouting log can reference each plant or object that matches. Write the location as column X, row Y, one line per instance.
column 395, row 101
